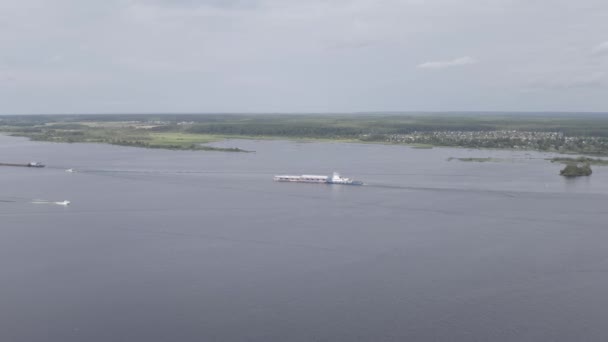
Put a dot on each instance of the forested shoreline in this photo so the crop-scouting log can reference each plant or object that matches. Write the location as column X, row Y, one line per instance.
column 566, row 133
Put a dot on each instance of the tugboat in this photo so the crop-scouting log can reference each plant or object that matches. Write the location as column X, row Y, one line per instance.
column 336, row 179
column 35, row 164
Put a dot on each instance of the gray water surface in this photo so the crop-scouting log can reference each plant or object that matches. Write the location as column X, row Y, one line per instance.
column 204, row 246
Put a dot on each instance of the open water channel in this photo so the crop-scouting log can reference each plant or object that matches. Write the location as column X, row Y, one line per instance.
column 203, row 246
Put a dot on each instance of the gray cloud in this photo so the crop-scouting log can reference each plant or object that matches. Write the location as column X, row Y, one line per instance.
column 601, row 49
column 447, row 64
column 565, row 82
column 291, row 55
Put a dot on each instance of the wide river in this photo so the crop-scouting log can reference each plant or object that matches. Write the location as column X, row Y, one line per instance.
column 203, row 246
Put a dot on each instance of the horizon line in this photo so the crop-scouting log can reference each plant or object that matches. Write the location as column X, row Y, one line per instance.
column 319, row 113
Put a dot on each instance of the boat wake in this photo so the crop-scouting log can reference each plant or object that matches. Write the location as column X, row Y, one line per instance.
column 13, row 199
column 64, row 203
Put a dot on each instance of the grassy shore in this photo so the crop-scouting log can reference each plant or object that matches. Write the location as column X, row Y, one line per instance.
column 124, row 136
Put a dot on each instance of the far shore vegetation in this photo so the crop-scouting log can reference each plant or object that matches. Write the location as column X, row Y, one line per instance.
column 580, row 160
column 576, row 133
column 477, row 160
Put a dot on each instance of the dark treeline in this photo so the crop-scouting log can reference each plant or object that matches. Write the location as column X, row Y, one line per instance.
column 337, row 125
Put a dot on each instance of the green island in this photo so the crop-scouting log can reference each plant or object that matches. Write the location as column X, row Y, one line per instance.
column 576, row 170
column 576, row 167
column 574, row 133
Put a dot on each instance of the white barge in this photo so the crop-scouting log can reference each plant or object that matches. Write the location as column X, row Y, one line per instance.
column 334, row 179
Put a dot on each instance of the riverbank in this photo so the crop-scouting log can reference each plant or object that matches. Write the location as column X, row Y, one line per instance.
column 578, row 134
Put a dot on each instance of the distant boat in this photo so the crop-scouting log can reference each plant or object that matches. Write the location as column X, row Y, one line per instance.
column 70, row 170
column 35, row 164
column 63, row 203
column 335, row 179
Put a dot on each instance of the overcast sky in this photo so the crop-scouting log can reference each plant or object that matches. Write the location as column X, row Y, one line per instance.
column 119, row 56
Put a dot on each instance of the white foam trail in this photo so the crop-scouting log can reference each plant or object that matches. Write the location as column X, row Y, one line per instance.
column 65, row 203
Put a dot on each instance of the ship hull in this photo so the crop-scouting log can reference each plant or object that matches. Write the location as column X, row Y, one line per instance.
column 347, row 183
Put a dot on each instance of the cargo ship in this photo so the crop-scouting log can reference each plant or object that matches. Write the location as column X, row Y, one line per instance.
column 334, row 179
